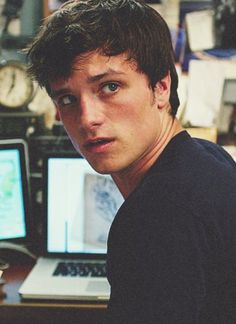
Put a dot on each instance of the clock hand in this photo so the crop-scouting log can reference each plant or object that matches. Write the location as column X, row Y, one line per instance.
column 12, row 83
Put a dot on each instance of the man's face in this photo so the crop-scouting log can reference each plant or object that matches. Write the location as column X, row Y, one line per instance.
column 109, row 112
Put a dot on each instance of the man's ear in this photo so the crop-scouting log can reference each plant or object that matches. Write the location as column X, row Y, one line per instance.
column 162, row 91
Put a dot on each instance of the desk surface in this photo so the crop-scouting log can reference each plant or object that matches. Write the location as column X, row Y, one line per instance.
column 12, row 308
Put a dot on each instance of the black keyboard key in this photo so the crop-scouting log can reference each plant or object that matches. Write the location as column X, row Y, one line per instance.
column 82, row 269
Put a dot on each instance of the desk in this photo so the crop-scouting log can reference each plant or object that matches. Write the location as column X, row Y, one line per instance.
column 14, row 310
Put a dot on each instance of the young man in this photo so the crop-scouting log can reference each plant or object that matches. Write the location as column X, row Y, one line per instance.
column 108, row 65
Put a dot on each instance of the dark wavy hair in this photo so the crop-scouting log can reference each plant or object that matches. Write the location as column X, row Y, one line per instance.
column 110, row 26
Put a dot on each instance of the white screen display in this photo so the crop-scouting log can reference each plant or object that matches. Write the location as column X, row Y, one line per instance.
column 12, row 212
column 81, row 205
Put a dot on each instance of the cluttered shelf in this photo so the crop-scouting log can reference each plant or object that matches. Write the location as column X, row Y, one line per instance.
column 13, row 309
column 50, row 5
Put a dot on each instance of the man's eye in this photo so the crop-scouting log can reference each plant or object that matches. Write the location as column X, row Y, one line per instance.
column 66, row 100
column 110, row 87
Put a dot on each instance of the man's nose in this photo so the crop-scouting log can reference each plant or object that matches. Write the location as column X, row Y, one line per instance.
column 91, row 112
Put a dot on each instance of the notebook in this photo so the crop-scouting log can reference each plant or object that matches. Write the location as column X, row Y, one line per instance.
column 79, row 207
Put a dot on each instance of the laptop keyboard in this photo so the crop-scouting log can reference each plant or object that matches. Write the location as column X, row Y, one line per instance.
column 82, row 269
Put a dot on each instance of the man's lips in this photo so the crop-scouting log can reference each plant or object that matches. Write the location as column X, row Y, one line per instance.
column 97, row 143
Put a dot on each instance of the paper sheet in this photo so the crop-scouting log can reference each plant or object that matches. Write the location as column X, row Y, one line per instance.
column 205, row 87
column 200, row 30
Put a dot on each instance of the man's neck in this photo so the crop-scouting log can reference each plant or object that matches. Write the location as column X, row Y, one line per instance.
column 128, row 179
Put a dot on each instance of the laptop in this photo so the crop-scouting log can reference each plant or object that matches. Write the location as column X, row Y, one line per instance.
column 79, row 207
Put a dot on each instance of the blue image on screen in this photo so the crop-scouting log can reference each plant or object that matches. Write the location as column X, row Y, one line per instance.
column 12, row 209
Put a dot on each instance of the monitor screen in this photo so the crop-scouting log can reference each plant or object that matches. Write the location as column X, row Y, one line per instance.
column 229, row 91
column 14, row 199
column 80, row 205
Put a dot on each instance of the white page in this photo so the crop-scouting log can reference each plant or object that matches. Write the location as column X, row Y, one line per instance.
column 205, row 87
column 200, row 30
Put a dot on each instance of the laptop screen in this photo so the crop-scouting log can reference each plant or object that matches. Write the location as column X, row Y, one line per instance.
column 80, row 206
column 14, row 203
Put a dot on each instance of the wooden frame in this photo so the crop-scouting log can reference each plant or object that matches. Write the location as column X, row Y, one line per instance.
column 46, row 11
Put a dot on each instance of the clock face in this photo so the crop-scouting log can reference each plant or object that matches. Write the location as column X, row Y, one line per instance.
column 16, row 88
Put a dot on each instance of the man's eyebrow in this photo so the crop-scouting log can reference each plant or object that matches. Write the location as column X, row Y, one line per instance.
column 90, row 79
column 55, row 93
column 101, row 76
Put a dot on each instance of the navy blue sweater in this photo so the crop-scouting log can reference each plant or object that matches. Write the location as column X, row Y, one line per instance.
column 172, row 244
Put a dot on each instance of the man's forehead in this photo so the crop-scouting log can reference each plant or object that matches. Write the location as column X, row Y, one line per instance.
column 93, row 67
column 96, row 63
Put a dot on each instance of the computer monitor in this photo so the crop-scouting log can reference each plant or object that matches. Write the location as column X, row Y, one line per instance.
column 229, row 91
column 79, row 206
column 14, row 191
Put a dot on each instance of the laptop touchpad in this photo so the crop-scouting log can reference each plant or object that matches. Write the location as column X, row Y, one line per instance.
column 97, row 286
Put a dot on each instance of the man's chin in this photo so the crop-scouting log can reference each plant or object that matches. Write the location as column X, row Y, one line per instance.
column 101, row 167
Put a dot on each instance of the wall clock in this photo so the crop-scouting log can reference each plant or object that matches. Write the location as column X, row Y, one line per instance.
column 16, row 87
